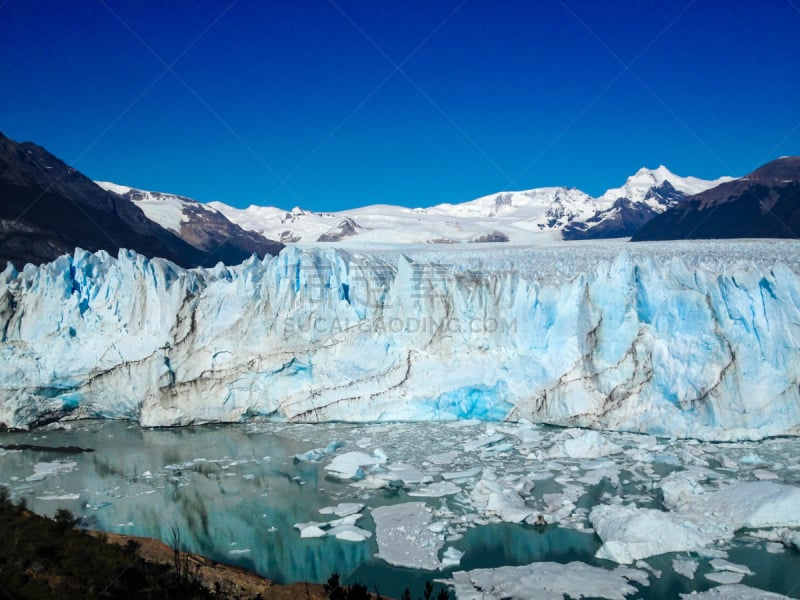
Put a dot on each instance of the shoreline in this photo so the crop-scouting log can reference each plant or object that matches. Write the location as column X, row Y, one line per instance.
column 210, row 573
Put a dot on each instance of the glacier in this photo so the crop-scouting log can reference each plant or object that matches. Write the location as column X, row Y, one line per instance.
column 682, row 339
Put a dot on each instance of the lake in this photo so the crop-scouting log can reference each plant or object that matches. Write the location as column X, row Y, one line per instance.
column 235, row 493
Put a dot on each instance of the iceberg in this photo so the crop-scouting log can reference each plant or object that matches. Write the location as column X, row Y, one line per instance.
column 683, row 339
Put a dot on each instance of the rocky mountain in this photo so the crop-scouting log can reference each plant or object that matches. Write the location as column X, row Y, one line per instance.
column 347, row 227
column 198, row 224
column 621, row 212
column 765, row 203
column 49, row 208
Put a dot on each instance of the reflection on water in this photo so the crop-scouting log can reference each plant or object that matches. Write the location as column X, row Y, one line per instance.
column 235, row 493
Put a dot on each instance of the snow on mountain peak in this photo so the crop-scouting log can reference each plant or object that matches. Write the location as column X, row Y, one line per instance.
column 113, row 187
column 522, row 216
column 637, row 186
column 168, row 210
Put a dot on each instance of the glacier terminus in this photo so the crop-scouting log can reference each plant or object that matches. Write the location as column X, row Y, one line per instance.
column 683, row 339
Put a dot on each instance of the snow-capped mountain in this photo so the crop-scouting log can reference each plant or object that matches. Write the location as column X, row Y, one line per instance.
column 622, row 211
column 639, row 187
column 520, row 217
column 48, row 208
column 765, row 203
column 198, row 224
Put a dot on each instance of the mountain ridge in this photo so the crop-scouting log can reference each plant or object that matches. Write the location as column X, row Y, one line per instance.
column 521, row 216
column 49, row 208
column 763, row 203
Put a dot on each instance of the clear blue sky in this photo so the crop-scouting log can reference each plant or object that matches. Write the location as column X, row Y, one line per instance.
column 336, row 104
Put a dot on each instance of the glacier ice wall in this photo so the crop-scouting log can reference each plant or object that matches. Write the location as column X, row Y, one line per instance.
column 698, row 340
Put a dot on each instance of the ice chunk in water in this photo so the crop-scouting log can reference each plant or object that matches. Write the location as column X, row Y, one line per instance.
column 436, row 490
column 547, row 581
column 310, row 530
column 734, row 592
column 451, row 557
column 348, row 465
column 685, row 567
column 404, row 539
column 630, row 533
column 725, row 576
column 584, row 444
column 349, row 533
column 342, row 509
column 45, row 469
column 720, row 564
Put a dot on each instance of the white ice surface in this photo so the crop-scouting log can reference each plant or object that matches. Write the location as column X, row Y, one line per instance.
column 697, row 518
column 547, row 581
column 630, row 533
column 45, row 469
column 720, row 564
column 724, row 577
column 685, row 567
column 404, row 538
column 343, row 509
column 734, row 592
column 696, row 339
column 349, row 465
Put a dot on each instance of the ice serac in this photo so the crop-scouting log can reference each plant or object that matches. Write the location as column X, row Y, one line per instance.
column 684, row 339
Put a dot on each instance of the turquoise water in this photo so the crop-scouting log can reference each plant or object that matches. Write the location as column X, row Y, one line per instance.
column 235, row 493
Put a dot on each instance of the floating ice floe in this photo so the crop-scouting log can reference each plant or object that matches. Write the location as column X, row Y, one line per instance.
column 45, row 469
column 724, row 577
column 340, row 529
column 404, row 538
column 583, row 444
column 483, row 441
column 465, row 474
column 60, row 497
column 697, row 517
column 508, row 505
column 630, row 533
column 344, row 528
column 342, row 509
column 685, row 567
column 405, row 473
column 451, row 557
column 734, row 592
column 436, row 490
column 349, row 465
column 765, row 475
column 752, row 504
column 349, row 533
column 318, row 453
column 547, row 581
column 720, row 564
column 444, row 458
column 310, row 530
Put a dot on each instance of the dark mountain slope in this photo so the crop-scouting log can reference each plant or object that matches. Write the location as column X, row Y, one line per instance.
column 204, row 227
column 47, row 208
column 765, row 203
